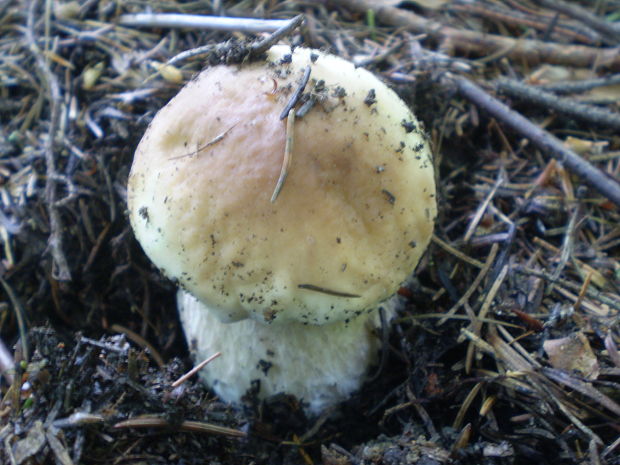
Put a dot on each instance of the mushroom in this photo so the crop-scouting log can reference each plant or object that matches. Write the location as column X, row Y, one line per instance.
column 285, row 281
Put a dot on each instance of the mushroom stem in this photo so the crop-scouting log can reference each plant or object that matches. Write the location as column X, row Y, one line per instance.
column 320, row 365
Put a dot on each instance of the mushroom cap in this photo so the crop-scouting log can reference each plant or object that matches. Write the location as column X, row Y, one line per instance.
column 353, row 217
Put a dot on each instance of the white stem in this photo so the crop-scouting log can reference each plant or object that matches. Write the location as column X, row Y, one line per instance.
column 320, row 365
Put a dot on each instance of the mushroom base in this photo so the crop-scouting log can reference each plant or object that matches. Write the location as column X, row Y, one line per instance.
column 320, row 365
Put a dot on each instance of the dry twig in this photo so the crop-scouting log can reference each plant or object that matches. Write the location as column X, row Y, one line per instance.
column 606, row 185
column 195, row 370
column 215, row 23
column 505, row 14
column 566, row 106
column 567, row 87
column 480, row 43
column 263, row 45
column 586, row 17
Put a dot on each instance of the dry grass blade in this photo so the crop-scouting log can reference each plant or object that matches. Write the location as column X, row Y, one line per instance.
column 201, row 427
column 481, row 210
column 462, row 440
column 288, row 154
column 460, row 416
column 584, row 388
column 187, row 426
column 457, row 253
column 324, row 290
column 488, row 299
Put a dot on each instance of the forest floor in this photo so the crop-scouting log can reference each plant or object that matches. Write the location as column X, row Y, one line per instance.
column 506, row 350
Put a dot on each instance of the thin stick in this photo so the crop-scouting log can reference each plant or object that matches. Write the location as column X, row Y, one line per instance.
column 215, row 23
column 582, row 291
column 474, row 42
column 609, row 449
column 564, row 105
column 586, row 17
column 255, row 49
column 604, row 184
column 193, row 52
column 473, row 224
column 548, row 26
column 568, row 244
column 262, row 45
column 288, row 154
column 567, row 87
column 195, row 370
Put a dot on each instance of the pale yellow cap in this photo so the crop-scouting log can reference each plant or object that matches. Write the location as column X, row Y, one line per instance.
column 353, row 217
